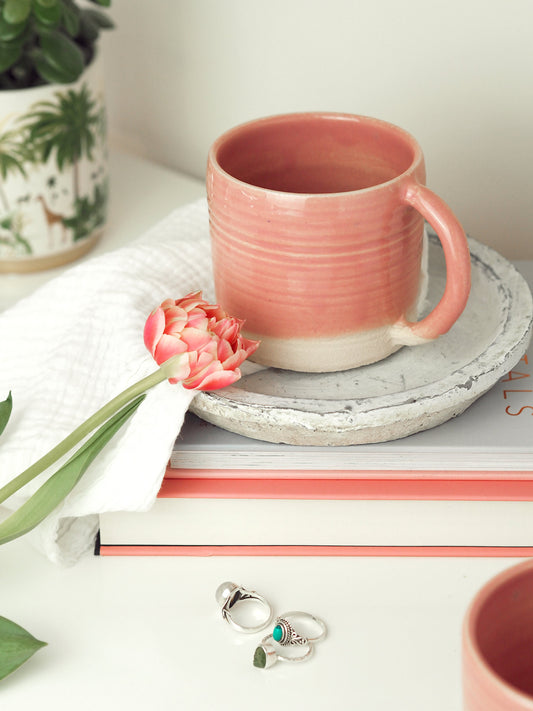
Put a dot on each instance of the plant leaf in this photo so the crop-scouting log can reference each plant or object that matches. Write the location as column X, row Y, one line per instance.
column 56, row 488
column 62, row 54
column 47, row 3
column 10, row 31
column 48, row 15
column 50, row 74
column 5, row 411
column 103, row 3
column 16, row 646
column 99, row 19
column 9, row 54
column 71, row 19
column 16, row 11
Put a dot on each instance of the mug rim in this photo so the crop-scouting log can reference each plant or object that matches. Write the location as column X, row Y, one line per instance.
column 418, row 156
column 470, row 638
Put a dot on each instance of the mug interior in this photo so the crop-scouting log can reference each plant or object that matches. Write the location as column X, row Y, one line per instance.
column 503, row 631
column 316, row 153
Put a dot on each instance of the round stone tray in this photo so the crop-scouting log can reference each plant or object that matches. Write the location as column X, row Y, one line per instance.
column 412, row 390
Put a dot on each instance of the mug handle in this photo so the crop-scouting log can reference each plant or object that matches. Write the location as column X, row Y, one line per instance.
column 457, row 257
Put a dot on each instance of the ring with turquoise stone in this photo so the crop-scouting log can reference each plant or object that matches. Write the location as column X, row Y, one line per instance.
column 266, row 655
column 228, row 595
column 285, row 634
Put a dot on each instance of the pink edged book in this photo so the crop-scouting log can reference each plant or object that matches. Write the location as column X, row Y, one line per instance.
column 463, row 488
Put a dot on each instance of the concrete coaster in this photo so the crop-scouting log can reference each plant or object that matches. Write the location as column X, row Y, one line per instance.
column 412, row 390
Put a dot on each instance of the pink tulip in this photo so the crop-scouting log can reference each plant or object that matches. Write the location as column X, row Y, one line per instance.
column 209, row 340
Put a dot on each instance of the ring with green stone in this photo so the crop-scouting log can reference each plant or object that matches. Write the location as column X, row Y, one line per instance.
column 266, row 654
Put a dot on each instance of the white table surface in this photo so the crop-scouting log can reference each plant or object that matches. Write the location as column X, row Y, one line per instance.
column 146, row 633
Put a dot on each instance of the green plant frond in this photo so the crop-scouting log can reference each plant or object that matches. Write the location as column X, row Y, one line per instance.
column 66, row 127
column 23, row 242
column 9, row 164
column 46, row 151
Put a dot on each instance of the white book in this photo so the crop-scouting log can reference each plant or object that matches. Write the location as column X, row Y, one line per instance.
column 326, row 522
column 494, row 434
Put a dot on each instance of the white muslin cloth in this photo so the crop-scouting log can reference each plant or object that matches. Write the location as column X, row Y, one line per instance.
column 75, row 343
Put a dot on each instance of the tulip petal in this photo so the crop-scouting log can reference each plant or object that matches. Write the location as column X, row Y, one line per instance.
column 224, row 351
column 198, row 374
column 167, row 347
column 248, row 345
column 234, row 360
column 218, row 379
column 154, row 328
column 195, row 338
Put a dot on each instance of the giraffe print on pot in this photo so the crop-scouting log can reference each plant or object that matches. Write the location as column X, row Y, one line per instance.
column 53, row 172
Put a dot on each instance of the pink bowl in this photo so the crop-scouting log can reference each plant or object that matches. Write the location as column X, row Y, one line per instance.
column 498, row 644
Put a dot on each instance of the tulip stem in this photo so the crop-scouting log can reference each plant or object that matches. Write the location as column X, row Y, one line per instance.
column 103, row 414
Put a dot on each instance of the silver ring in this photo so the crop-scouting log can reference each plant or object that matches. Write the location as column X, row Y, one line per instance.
column 229, row 594
column 266, row 654
column 285, row 634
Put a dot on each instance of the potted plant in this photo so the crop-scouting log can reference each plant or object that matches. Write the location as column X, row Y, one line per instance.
column 53, row 147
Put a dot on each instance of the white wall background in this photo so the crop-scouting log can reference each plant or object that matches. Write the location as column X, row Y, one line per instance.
column 458, row 74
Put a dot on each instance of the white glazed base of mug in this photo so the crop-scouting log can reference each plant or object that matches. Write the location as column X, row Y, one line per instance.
column 329, row 354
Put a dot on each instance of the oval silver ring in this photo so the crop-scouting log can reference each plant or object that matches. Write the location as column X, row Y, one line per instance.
column 286, row 631
column 228, row 595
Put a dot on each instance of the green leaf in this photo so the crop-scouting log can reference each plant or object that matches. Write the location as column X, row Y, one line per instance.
column 10, row 31
column 46, row 3
column 16, row 646
column 50, row 74
column 61, row 53
column 71, row 19
column 103, row 3
column 60, row 484
column 9, row 54
column 5, row 411
column 99, row 19
column 16, row 11
column 49, row 16
column 89, row 28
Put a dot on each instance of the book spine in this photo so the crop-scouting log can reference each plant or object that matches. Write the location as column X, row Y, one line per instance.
column 380, row 474
column 371, row 489
column 333, row 551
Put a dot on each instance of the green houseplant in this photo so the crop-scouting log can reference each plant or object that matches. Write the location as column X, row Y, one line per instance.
column 53, row 148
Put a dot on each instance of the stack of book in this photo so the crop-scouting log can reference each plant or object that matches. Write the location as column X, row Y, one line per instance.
column 463, row 488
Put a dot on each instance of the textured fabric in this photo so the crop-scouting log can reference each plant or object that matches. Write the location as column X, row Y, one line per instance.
column 71, row 346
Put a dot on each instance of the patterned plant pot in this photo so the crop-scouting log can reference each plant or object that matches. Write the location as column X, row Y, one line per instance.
column 53, row 172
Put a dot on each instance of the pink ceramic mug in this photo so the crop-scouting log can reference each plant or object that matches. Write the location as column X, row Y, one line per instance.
column 317, row 223
column 498, row 644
